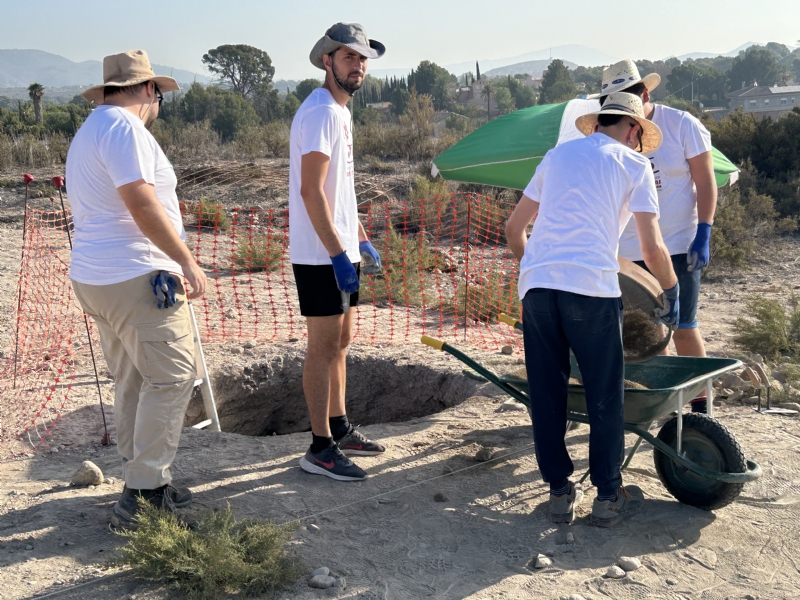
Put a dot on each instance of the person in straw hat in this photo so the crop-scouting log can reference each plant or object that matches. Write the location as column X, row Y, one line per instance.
column 582, row 195
column 687, row 197
column 326, row 246
column 128, row 263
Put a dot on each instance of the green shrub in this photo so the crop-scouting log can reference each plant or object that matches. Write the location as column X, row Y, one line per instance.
column 250, row 142
column 276, row 137
column 222, row 556
column 486, row 297
column 768, row 329
column 212, row 215
column 259, row 252
column 6, row 157
column 376, row 165
column 407, row 260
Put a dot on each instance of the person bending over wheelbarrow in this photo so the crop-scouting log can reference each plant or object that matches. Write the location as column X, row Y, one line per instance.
column 582, row 196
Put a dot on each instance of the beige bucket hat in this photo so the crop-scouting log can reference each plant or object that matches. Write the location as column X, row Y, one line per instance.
column 627, row 105
column 623, row 75
column 129, row 68
column 351, row 35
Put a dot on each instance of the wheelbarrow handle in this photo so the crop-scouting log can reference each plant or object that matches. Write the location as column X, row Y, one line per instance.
column 515, row 323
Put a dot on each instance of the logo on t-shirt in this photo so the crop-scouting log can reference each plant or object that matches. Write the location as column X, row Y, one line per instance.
column 349, row 169
column 656, row 173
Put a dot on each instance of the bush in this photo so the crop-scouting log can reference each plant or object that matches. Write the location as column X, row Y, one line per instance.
column 276, row 137
column 222, row 556
column 259, row 252
column 29, row 151
column 250, row 142
column 212, row 215
column 406, row 259
column 768, row 329
column 486, row 297
column 6, row 157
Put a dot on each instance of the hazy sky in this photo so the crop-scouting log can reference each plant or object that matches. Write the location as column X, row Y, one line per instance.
column 178, row 32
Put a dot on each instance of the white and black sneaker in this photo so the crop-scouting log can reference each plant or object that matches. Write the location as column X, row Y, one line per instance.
column 355, row 443
column 332, row 463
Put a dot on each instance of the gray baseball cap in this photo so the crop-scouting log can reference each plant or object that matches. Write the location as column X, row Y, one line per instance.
column 351, row 35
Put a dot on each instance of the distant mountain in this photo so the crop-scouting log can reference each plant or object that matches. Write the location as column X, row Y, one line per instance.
column 574, row 53
column 734, row 52
column 531, row 67
column 20, row 68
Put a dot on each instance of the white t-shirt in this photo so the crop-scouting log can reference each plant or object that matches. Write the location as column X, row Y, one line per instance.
column 322, row 125
column 684, row 137
column 587, row 190
column 113, row 148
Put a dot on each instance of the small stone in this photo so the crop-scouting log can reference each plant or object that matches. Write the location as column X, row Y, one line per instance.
column 375, row 504
column 483, row 455
column 750, row 400
column 54, row 450
column 757, row 358
column 576, row 597
column 614, row 572
column 737, row 395
column 790, row 406
column 237, row 350
column 542, row 562
column 713, row 295
column 419, row 444
column 320, row 571
column 340, row 583
column 671, row 581
column 512, row 405
column 440, row 497
column 507, row 350
column 570, row 538
column 28, row 547
column 87, row 474
column 322, row 582
column 110, row 481
column 314, row 528
column 250, row 344
column 629, row 564
column 91, row 487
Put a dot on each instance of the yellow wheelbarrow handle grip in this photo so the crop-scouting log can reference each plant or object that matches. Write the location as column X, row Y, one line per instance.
column 432, row 342
column 504, row 318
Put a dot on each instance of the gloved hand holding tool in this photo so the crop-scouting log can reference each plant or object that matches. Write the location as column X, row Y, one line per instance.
column 346, row 278
column 699, row 252
column 370, row 259
column 670, row 314
column 164, row 286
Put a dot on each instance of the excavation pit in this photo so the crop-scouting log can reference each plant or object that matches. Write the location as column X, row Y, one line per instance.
column 263, row 394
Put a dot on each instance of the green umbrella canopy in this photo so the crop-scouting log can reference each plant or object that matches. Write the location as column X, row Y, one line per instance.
column 505, row 152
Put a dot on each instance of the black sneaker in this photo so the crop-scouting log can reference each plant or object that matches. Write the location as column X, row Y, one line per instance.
column 126, row 508
column 181, row 497
column 354, row 443
column 333, row 463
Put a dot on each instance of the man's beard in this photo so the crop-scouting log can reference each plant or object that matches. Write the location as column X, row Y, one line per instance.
column 350, row 88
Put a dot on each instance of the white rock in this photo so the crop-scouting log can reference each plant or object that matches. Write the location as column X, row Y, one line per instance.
column 570, row 538
column 87, row 474
column 322, row 582
column 542, row 561
column 320, row 571
column 671, row 581
column 512, row 405
column 628, row 563
column 576, row 597
column 340, row 583
column 313, row 528
column 614, row 572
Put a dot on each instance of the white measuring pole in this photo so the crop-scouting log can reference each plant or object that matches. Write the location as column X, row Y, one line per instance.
column 203, row 381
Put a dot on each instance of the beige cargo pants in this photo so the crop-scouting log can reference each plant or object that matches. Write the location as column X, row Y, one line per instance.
column 151, row 354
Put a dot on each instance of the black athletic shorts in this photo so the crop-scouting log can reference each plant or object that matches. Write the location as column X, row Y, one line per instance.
column 317, row 290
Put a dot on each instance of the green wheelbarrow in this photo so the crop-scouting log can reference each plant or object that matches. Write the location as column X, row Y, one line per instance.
column 697, row 458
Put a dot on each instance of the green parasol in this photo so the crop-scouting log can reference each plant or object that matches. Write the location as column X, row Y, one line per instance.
column 505, row 152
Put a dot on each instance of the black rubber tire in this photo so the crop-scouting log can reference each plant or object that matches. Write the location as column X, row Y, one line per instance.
column 709, row 444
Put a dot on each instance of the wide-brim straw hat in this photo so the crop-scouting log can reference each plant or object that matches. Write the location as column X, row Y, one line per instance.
column 627, row 105
column 624, row 74
column 126, row 69
column 351, row 35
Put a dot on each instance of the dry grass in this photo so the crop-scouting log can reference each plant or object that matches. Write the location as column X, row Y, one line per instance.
column 259, row 252
column 486, row 297
column 222, row 556
column 768, row 328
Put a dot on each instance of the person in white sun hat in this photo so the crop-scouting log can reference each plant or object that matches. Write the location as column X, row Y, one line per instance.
column 687, row 198
column 582, row 195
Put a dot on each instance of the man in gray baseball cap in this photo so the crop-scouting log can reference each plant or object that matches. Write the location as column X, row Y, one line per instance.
column 326, row 246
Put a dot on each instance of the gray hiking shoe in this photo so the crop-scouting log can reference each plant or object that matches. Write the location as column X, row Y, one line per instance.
column 562, row 508
column 127, row 507
column 181, row 497
column 629, row 500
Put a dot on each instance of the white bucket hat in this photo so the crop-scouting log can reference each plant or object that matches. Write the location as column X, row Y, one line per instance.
column 627, row 105
column 126, row 69
column 623, row 75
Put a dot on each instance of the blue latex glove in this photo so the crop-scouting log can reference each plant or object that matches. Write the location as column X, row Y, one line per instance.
column 346, row 276
column 699, row 252
column 670, row 314
column 370, row 259
column 164, row 286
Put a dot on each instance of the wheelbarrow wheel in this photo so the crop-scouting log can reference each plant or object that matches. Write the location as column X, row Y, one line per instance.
column 708, row 444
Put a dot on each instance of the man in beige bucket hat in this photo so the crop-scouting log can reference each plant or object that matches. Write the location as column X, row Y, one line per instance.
column 326, row 245
column 687, row 197
column 128, row 262
column 582, row 196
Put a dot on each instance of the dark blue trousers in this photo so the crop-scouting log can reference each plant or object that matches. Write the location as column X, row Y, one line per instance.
column 555, row 322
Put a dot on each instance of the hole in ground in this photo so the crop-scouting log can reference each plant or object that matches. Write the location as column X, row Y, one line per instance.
column 265, row 396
